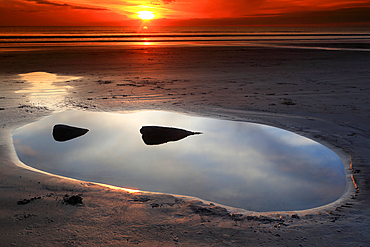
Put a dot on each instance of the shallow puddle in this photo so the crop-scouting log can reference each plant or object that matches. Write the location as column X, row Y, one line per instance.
column 245, row 165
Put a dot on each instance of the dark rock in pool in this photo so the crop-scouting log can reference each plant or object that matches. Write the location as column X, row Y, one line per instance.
column 62, row 133
column 155, row 135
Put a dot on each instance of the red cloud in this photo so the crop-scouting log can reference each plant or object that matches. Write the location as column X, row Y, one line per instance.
column 45, row 2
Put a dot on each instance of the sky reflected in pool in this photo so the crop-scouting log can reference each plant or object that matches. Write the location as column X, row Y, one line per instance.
column 238, row 164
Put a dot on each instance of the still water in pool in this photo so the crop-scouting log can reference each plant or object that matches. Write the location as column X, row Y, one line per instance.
column 239, row 164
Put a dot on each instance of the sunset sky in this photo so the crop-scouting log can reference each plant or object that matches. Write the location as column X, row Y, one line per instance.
column 183, row 12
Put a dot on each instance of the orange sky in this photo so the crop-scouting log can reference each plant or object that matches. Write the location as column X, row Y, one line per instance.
column 183, row 12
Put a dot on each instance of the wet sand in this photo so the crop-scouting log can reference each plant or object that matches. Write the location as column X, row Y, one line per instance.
column 320, row 94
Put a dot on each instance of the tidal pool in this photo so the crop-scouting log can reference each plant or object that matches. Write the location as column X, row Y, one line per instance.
column 239, row 164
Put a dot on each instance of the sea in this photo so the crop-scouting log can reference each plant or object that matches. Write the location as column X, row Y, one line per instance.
column 337, row 38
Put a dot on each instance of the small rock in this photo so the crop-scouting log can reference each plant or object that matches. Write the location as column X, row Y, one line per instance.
column 23, row 202
column 26, row 201
column 73, row 200
column 295, row 216
column 237, row 217
column 288, row 102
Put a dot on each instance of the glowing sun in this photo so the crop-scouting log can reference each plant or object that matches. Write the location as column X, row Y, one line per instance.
column 146, row 15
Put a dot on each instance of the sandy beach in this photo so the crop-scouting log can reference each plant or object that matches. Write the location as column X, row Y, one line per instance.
column 322, row 94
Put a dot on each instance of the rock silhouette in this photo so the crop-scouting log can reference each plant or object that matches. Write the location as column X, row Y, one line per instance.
column 62, row 133
column 155, row 135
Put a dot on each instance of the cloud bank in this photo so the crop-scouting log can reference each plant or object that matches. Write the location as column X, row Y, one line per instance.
column 184, row 12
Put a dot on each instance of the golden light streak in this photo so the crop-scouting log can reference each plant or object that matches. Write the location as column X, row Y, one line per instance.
column 119, row 188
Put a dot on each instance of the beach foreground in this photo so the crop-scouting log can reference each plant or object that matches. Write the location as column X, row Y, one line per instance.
column 320, row 94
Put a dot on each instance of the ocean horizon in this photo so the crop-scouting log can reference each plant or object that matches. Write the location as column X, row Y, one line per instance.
column 11, row 37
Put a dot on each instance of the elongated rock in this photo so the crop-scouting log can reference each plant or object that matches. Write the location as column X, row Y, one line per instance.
column 155, row 135
column 62, row 133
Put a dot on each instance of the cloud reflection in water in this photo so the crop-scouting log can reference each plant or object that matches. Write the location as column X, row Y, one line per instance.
column 251, row 166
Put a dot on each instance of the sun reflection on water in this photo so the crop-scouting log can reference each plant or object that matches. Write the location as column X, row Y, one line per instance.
column 43, row 85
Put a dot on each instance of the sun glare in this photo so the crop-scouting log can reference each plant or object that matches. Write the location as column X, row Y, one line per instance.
column 146, row 15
